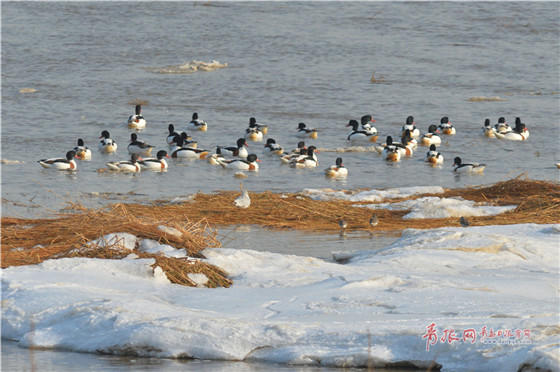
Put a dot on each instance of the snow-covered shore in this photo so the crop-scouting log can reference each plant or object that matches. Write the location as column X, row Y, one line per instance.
column 483, row 298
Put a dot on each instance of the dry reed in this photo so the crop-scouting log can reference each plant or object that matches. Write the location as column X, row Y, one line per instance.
column 30, row 241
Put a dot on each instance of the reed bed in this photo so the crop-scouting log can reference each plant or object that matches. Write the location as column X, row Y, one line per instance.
column 31, row 241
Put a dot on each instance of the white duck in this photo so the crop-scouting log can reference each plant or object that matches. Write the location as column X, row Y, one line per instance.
column 155, row 164
column 137, row 146
column 336, row 171
column 446, row 127
column 67, row 163
column 303, row 131
column 308, row 160
column 179, row 151
column 519, row 133
column 137, row 121
column 487, row 130
column 467, row 168
column 410, row 125
column 366, row 121
column 431, row 138
column 251, row 163
column 131, row 165
column 433, row 156
column 271, row 147
column 107, row 144
column 238, row 151
column 359, row 135
column 82, row 152
column 197, row 124
column 253, row 133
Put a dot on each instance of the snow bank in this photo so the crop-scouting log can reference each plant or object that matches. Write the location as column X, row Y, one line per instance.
column 476, row 298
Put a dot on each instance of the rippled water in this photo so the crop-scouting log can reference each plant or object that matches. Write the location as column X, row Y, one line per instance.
column 287, row 63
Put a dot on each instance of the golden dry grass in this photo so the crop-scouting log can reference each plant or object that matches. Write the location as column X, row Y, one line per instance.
column 31, row 241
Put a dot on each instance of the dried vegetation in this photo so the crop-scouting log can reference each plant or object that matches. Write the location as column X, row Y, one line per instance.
column 31, row 241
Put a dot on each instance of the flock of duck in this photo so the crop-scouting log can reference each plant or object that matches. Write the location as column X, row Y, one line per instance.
column 238, row 158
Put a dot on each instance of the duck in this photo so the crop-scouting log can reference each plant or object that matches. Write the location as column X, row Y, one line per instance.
column 82, row 152
column 156, row 164
column 405, row 148
column 414, row 132
column 519, row 133
column 179, row 151
column 67, row 163
column 308, row 160
column 301, row 149
column 171, row 135
column 366, row 121
column 467, row 168
column 336, row 171
column 306, row 132
column 131, row 165
column 188, row 141
column 360, row 135
column 408, row 141
column 239, row 151
column 137, row 146
column 253, row 133
column 262, row 127
column 433, row 156
column 137, row 121
column 197, row 124
column 445, row 126
column 251, row 163
column 502, row 126
column 431, row 138
column 390, row 151
column 107, row 144
column 487, row 130
column 271, row 147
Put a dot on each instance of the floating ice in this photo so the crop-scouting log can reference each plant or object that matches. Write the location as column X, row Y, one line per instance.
column 434, row 207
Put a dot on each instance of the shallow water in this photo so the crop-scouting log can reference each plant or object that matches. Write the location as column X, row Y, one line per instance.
column 287, row 63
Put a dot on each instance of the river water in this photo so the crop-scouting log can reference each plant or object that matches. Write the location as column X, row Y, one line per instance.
column 287, row 62
column 73, row 69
